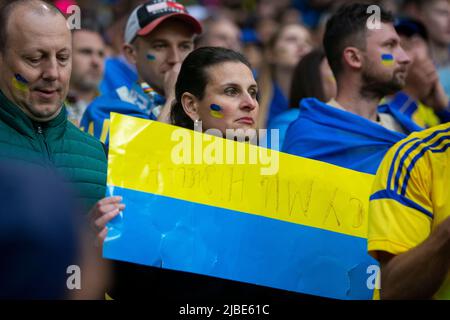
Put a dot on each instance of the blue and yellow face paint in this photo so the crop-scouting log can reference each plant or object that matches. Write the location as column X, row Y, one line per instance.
column 387, row 59
column 150, row 57
column 19, row 82
column 216, row 111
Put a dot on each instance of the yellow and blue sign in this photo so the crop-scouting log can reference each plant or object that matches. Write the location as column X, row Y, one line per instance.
column 301, row 229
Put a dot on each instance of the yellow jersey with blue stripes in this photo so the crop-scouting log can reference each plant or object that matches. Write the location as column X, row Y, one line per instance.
column 411, row 194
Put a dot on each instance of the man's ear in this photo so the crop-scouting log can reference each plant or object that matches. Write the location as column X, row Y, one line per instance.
column 352, row 57
column 130, row 52
column 190, row 105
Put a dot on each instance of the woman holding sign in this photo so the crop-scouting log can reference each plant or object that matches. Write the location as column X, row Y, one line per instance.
column 215, row 92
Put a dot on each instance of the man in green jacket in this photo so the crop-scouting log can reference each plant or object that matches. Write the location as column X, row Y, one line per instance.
column 35, row 64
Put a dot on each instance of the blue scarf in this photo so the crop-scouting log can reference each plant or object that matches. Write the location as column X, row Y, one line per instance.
column 325, row 133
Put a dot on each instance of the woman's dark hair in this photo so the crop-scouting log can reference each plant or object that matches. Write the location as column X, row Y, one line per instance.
column 307, row 79
column 193, row 78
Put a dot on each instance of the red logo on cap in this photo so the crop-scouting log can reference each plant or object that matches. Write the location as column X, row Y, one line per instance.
column 175, row 5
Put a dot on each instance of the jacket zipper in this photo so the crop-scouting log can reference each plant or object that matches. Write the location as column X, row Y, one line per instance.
column 42, row 141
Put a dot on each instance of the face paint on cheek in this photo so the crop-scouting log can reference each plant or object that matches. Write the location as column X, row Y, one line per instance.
column 20, row 83
column 387, row 60
column 216, row 111
column 151, row 57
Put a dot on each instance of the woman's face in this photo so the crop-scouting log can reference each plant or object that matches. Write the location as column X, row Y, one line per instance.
column 229, row 101
column 293, row 44
column 328, row 80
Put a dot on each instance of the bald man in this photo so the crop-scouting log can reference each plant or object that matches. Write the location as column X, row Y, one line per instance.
column 35, row 64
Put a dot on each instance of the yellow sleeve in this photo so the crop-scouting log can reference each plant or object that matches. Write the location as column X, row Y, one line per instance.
column 400, row 211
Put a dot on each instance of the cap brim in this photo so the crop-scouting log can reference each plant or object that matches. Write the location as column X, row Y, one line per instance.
column 196, row 26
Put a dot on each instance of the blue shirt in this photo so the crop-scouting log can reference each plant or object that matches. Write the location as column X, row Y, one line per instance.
column 118, row 73
column 130, row 101
column 281, row 122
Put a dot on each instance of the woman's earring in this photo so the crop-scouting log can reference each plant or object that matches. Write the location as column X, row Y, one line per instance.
column 197, row 125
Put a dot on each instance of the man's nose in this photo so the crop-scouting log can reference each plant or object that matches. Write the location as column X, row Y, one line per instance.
column 174, row 56
column 97, row 60
column 51, row 69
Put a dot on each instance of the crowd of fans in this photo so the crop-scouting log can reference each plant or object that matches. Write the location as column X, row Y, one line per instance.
column 336, row 90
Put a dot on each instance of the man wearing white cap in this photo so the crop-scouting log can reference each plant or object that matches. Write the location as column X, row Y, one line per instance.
column 158, row 36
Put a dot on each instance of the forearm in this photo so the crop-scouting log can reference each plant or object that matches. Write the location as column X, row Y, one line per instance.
column 418, row 273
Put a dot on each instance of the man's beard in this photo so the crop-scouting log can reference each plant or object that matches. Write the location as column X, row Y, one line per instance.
column 374, row 87
column 86, row 84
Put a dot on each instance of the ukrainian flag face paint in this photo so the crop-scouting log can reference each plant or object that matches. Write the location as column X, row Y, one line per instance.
column 387, row 59
column 151, row 57
column 20, row 83
column 216, row 111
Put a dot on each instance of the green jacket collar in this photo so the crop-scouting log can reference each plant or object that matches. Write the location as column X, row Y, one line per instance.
column 12, row 115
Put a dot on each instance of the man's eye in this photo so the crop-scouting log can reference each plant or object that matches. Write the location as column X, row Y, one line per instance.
column 186, row 47
column 33, row 60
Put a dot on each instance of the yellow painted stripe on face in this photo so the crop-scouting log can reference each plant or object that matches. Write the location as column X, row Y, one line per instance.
column 303, row 191
column 216, row 114
column 19, row 85
column 387, row 63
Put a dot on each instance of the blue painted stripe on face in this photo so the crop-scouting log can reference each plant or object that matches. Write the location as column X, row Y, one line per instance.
column 151, row 57
column 20, row 78
column 387, row 57
column 215, row 107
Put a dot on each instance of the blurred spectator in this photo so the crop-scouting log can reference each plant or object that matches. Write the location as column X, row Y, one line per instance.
column 158, row 36
column 88, row 62
column 38, row 231
column 435, row 15
column 423, row 97
column 312, row 78
column 312, row 10
column 266, row 28
column 220, row 32
column 253, row 50
column 290, row 16
column 41, row 234
column 118, row 71
column 284, row 51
